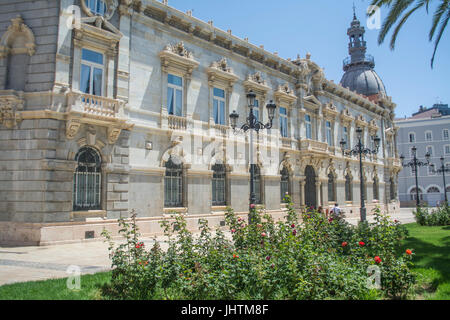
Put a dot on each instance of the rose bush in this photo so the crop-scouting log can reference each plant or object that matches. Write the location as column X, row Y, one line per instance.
column 437, row 217
column 289, row 259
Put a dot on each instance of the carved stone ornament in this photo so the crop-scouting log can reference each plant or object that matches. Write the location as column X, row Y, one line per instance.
column 9, row 107
column 111, row 6
column 17, row 30
column 179, row 49
column 346, row 116
column 222, row 65
column 257, row 78
column 360, row 121
column 113, row 134
column 72, row 128
column 284, row 88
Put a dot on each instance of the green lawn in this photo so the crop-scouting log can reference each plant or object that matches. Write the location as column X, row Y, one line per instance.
column 431, row 246
column 56, row 289
column 431, row 260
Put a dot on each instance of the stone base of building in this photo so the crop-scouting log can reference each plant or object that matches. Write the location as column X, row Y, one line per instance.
column 43, row 234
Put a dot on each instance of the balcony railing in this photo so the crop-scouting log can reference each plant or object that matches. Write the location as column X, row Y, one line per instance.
column 312, row 145
column 176, row 122
column 286, row 142
column 221, row 130
column 368, row 59
column 100, row 106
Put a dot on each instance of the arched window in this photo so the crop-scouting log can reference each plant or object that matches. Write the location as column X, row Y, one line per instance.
column 348, row 187
column 433, row 190
column 284, row 183
column 376, row 192
column 331, row 188
column 219, row 185
column 87, row 180
column 173, row 184
column 257, row 181
column 413, row 194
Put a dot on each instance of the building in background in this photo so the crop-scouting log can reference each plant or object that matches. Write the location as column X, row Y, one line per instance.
column 429, row 131
column 127, row 108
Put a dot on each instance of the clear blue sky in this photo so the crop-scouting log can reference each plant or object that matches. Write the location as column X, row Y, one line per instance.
column 320, row 27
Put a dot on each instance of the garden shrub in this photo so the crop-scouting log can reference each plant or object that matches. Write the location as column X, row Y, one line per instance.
column 318, row 258
column 437, row 217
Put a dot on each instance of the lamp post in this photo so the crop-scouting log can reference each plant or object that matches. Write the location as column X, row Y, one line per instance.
column 252, row 124
column 414, row 163
column 360, row 149
column 442, row 170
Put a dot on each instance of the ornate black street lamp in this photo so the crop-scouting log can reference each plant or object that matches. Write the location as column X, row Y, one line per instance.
column 442, row 170
column 252, row 123
column 360, row 150
column 414, row 163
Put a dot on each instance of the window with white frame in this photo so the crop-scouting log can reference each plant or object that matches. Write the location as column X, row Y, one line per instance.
column 447, row 149
column 412, row 137
column 283, row 122
column 219, row 106
column 87, row 180
column 97, row 7
column 92, row 72
column 430, row 171
column 256, row 110
column 219, row 185
column 308, row 126
column 430, row 150
column 329, row 133
column 174, row 95
column 346, row 136
column 445, row 134
column 428, row 136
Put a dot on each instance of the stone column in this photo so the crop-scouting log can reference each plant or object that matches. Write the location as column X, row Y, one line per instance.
column 318, row 193
column 123, row 66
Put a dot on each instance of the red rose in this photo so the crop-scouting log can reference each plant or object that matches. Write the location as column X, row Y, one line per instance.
column 377, row 259
column 263, row 234
column 239, row 219
column 268, row 258
column 330, row 220
column 408, row 252
column 344, row 244
column 235, row 256
column 233, row 230
column 252, row 206
column 294, row 232
column 292, row 225
column 361, row 244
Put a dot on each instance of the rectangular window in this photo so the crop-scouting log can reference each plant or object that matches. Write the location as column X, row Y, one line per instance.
column 283, row 122
column 412, row 137
column 428, row 136
column 346, row 137
column 430, row 150
column 219, row 106
column 447, row 149
column 174, row 95
column 308, row 126
column 91, row 79
column 445, row 134
column 256, row 110
column 329, row 133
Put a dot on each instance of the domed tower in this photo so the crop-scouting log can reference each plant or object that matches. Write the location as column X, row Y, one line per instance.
column 360, row 75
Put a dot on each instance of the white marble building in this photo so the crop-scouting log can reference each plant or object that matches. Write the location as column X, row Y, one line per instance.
column 109, row 106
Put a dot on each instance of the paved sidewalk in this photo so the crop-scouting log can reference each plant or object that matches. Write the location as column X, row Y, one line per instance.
column 20, row 264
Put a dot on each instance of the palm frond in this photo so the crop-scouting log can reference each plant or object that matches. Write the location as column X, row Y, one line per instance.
column 403, row 20
column 437, row 17
column 441, row 32
column 398, row 8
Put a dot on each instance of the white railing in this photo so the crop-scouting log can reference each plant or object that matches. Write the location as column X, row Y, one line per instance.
column 100, row 106
column 221, row 129
column 312, row 145
column 176, row 122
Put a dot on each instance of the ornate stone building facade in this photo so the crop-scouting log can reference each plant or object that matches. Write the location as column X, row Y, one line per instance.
column 108, row 106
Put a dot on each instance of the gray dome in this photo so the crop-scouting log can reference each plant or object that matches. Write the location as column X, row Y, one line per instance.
column 364, row 80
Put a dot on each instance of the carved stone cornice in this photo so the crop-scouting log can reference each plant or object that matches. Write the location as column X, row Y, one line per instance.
column 220, row 72
column 330, row 111
column 10, row 106
column 18, row 29
column 99, row 33
column 360, row 121
column 346, row 117
column 177, row 58
column 284, row 95
column 256, row 83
